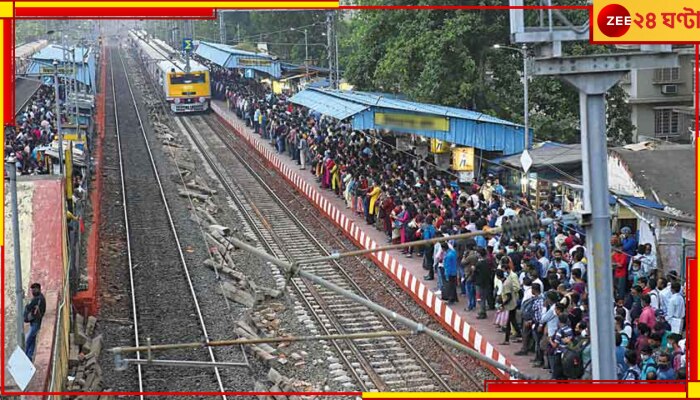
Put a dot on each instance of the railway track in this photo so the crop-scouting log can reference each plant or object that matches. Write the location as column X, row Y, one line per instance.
column 384, row 364
column 155, row 253
column 375, row 276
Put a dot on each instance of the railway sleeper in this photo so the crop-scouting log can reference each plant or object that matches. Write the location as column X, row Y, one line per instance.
column 371, row 322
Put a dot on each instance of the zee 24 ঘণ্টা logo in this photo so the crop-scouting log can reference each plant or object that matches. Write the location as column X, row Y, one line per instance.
column 647, row 22
column 614, row 20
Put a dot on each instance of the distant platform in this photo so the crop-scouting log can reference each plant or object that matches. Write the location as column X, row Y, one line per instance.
column 42, row 233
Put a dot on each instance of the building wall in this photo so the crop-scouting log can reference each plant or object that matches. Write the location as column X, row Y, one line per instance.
column 644, row 88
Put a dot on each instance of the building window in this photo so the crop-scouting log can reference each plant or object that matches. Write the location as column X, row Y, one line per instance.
column 694, row 77
column 667, row 74
column 666, row 122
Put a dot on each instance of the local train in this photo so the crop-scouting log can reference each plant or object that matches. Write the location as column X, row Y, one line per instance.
column 185, row 92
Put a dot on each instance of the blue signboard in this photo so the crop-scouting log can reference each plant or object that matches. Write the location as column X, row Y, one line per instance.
column 187, row 45
column 249, row 73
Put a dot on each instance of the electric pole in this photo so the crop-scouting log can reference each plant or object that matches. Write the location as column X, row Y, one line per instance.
column 329, row 32
column 222, row 28
column 337, row 62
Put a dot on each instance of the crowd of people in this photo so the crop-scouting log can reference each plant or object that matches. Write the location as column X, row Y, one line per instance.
column 35, row 127
column 534, row 286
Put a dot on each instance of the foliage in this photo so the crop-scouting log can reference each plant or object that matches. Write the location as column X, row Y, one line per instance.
column 447, row 57
column 73, row 30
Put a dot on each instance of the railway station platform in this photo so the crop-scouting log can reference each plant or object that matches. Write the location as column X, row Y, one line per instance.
column 481, row 335
column 42, row 251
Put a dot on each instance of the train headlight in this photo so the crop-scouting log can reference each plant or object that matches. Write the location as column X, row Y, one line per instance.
column 177, row 100
column 202, row 99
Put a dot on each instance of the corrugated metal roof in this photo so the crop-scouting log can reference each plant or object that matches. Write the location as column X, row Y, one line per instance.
column 640, row 202
column 379, row 100
column 84, row 75
column 549, row 153
column 335, row 107
column 665, row 170
column 292, row 67
column 466, row 128
column 53, row 52
column 234, row 51
column 45, row 57
column 228, row 57
column 213, row 54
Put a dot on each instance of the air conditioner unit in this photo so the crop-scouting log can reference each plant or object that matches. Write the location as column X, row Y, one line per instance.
column 669, row 89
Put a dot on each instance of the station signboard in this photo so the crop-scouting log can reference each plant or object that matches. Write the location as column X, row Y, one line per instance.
column 412, row 122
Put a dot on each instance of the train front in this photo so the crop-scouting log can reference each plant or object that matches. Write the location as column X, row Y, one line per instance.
column 189, row 91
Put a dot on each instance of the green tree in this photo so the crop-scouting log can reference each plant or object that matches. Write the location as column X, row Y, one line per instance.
column 447, row 57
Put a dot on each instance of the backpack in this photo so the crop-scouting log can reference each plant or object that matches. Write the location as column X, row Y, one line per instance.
column 572, row 360
column 634, row 372
column 528, row 309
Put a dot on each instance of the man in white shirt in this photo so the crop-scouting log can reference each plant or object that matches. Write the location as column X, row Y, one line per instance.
column 665, row 291
column 437, row 265
column 544, row 261
column 657, row 300
column 676, row 308
column 494, row 242
column 559, row 239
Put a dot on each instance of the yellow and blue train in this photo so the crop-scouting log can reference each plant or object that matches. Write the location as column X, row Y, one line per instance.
column 185, row 92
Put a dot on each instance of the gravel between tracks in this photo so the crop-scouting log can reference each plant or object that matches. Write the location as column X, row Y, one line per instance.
column 170, row 307
column 373, row 281
column 219, row 315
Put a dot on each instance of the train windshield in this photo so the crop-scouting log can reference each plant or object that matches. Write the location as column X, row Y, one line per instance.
column 187, row 78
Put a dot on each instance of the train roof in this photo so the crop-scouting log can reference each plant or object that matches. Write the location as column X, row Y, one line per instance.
column 27, row 49
column 154, row 50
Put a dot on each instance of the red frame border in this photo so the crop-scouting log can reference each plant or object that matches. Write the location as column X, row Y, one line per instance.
column 209, row 13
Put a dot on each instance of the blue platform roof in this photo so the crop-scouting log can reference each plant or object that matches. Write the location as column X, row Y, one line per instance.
column 42, row 63
column 292, row 67
column 333, row 106
column 642, row 202
column 467, row 128
column 230, row 57
column 54, row 52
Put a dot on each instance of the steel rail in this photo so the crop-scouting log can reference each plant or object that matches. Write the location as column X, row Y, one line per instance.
column 126, row 223
column 291, row 267
column 251, row 220
column 377, row 277
column 311, row 237
column 170, row 220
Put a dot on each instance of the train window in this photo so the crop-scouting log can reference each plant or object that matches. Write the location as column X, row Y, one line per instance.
column 187, row 78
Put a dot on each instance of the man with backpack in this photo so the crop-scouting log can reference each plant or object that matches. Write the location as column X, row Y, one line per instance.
column 648, row 364
column 33, row 314
column 633, row 373
column 532, row 314
column 559, row 342
column 576, row 359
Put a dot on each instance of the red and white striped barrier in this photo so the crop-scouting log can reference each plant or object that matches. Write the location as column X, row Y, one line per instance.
column 438, row 308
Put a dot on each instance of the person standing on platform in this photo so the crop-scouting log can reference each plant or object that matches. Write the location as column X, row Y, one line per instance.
column 483, row 280
column 428, row 233
column 33, row 314
column 510, row 296
column 676, row 308
column 449, row 293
